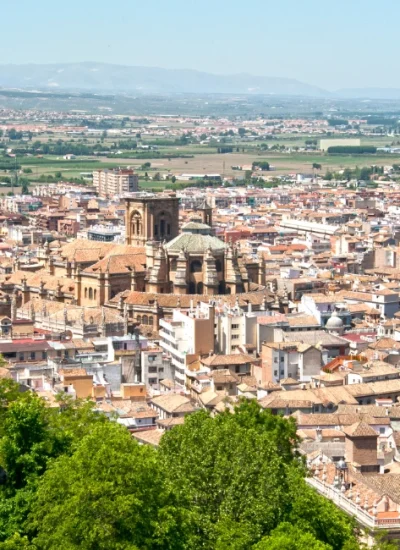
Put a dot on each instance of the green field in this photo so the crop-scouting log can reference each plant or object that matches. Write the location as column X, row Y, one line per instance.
column 202, row 159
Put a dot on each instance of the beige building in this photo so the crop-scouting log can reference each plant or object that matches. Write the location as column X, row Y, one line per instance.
column 324, row 144
column 110, row 183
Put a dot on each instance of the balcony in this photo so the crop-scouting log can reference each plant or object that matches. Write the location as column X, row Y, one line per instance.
column 363, row 517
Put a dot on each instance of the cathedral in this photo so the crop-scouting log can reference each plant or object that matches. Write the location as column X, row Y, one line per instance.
column 158, row 269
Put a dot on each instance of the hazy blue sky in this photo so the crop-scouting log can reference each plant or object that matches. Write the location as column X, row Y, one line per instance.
column 330, row 43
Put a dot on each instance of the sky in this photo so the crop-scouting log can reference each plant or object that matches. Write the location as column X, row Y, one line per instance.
column 329, row 43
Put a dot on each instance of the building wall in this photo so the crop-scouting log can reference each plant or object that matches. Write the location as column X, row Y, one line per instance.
column 310, row 364
column 362, row 450
column 324, row 144
column 82, row 385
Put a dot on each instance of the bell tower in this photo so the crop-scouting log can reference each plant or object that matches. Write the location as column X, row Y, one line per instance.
column 151, row 218
column 205, row 211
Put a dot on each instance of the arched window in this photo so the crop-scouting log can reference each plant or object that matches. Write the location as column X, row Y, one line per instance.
column 95, row 293
column 162, row 225
column 145, row 320
column 86, row 292
column 218, row 265
column 136, row 223
column 173, row 264
column 199, row 288
column 150, row 320
column 90, row 294
column 192, row 288
column 196, row 267
column 139, row 319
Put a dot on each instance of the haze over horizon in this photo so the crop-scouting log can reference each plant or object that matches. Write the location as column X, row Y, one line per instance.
column 331, row 46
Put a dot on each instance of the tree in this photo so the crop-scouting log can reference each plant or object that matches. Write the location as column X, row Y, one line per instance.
column 14, row 135
column 173, row 179
column 25, row 446
column 110, row 494
column 16, row 542
column 347, row 174
column 289, row 537
column 249, row 480
column 236, row 481
column 241, row 132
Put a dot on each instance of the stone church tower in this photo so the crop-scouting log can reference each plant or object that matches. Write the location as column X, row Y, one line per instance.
column 151, row 218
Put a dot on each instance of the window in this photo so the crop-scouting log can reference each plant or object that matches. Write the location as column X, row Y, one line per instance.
column 152, row 369
column 275, row 359
column 33, row 355
column 90, row 294
column 161, row 369
column 21, row 356
column 85, row 292
column 282, row 359
column 381, row 430
column 153, row 380
column 196, row 267
column 275, row 373
column 235, row 327
column 235, row 336
column 282, row 372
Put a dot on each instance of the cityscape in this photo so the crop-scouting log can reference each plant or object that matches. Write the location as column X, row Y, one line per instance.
column 199, row 286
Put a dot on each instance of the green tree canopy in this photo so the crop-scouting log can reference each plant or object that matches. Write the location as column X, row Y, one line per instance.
column 110, row 494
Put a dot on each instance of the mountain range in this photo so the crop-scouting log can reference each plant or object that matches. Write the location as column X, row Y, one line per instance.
column 104, row 77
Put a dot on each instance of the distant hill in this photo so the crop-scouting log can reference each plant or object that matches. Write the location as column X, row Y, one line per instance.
column 118, row 79
column 369, row 93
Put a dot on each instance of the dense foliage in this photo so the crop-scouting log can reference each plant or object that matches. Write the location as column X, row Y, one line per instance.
column 72, row 479
column 351, row 150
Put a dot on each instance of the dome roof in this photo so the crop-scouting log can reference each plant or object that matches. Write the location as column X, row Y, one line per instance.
column 195, row 238
column 334, row 322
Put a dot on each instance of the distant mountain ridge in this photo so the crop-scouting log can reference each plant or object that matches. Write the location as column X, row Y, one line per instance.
column 89, row 76
column 117, row 79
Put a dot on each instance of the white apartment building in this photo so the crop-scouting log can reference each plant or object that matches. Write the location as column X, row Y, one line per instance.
column 235, row 327
column 187, row 334
column 110, row 183
column 155, row 367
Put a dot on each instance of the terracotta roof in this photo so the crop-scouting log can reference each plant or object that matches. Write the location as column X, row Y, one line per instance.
column 119, row 264
column 360, row 429
column 173, row 403
column 227, row 360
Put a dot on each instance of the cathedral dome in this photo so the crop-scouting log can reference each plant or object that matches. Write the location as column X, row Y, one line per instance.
column 334, row 322
column 195, row 238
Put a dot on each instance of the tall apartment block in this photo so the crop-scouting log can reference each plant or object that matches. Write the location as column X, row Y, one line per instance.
column 115, row 182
